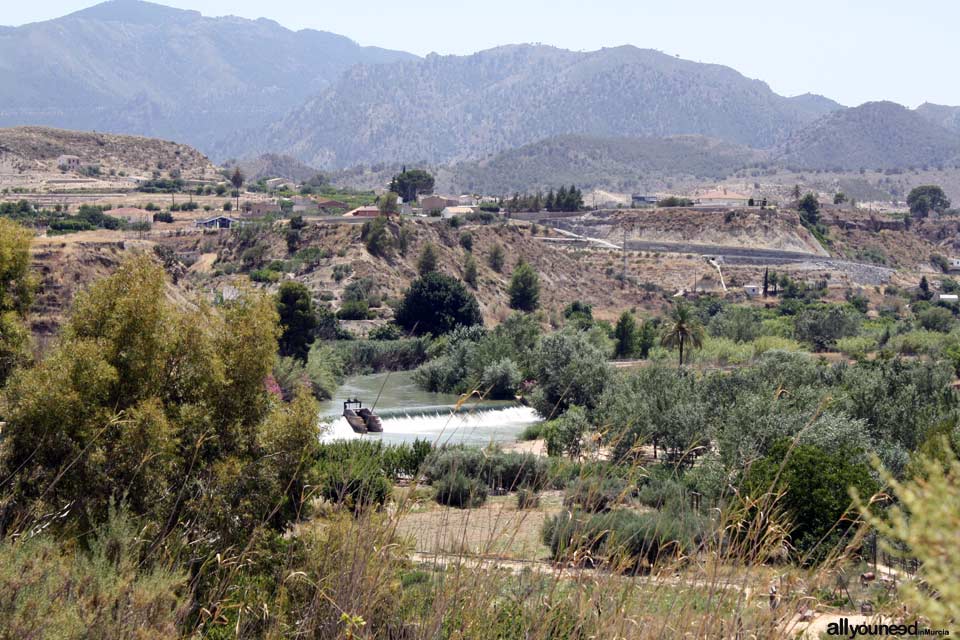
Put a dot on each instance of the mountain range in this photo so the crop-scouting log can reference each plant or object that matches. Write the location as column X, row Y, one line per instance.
column 127, row 66
column 238, row 88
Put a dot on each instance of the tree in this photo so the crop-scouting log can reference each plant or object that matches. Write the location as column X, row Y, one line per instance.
column 470, row 271
column 822, row 326
column 496, row 258
column 298, row 320
column 435, row 304
column 237, row 181
column 796, row 192
column 388, row 204
column 565, row 434
column 926, row 198
column 524, row 288
column 409, row 184
column 815, row 483
column 684, row 329
column 809, row 208
column 924, row 287
column 839, row 198
column 427, row 262
column 766, row 281
column 376, row 237
column 625, row 334
column 163, row 407
column 569, row 370
column 16, row 295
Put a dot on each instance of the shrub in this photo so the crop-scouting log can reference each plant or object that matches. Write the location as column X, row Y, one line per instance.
column 524, row 288
column 341, row 271
column 267, row 276
column 466, row 240
column 373, row 356
column 376, row 237
column 595, row 493
column 351, row 475
column 564, row 435
column 354, row 310
column 936, row 319
column 501, row 380
column 527, row 499
column 457, row 490
column 496, row 469
column 387, row 331
column 856, row 347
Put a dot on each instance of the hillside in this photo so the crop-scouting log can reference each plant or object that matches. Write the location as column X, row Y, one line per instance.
column 946, row 117
column 623, row 164
column 450, row 108
column 28, row 157
column 273, row 165
column 136, row 67
column 873, row 135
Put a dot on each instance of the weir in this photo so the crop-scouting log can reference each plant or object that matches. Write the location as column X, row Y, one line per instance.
column 442, row 425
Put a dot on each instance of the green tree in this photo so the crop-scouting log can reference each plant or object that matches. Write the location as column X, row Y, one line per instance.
column 625, row 335
column 409, row 184
column 496, row 258
column 524, row 288
column 237, row 181
column 389, row 204
column 376, row 237
column 435, row 304
column 298, row 320
column 821, row 326
column 683, row 330
column 816, row 484
column 16, row 295
column 809, row 208
column 470, row 271
column 569, row 370
column 427, row 262
column 839, row 197
column 565, row 434
column 926, row 198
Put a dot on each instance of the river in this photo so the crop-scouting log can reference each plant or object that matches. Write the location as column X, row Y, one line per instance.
column 409, row 412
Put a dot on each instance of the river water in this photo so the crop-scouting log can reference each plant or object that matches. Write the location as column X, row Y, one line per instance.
column 409, row 412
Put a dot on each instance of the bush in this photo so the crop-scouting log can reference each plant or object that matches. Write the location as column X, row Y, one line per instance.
column 352, row 476
column 466, row 240
column 498, row 470
column 501, row 380
column 936, row 319
column 856, row 347
column 527, row 499
column 354, row 310
column 595, row 493
column 373, row 356
column 388, row 331
column 266, row 276
column 564, row 435
column 457, row 490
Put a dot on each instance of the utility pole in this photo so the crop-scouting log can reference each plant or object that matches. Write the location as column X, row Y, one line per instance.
column 623, row 275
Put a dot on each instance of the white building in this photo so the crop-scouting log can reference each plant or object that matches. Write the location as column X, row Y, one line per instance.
column 68, row 162
column 752, row 290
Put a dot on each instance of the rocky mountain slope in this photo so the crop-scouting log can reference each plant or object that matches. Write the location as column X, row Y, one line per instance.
column 622, row 164
column 450, row 108
column 874, row 135
column 136, row 67
column 945, row 116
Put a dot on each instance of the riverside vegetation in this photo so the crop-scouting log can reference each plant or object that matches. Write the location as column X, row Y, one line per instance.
column 162, row 472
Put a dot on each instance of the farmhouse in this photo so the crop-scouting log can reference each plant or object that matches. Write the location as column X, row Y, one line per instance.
column 722, row 198
column 437, row 203
column 68, row 162
column 752, row 290
column 643, row 200
column 367, row 211
column 261, row 209
column 218, row 222
column 328, row 204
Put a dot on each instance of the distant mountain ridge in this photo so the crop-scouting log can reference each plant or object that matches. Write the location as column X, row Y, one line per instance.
column 882, row 135
column 622, row 164
column 452, row 108
column 142, row 68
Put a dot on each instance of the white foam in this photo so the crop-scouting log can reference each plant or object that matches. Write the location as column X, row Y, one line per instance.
column 443, row 426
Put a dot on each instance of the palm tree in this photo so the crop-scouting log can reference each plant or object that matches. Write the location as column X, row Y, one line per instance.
column 684, row 328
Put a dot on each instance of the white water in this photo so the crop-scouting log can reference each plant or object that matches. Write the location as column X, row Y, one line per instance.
column 480, row 426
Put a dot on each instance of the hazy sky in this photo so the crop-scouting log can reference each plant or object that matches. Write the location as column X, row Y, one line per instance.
column 850, row 50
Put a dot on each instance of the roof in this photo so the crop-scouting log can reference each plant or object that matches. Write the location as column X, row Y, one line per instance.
column 718, row 194
column 364, row 210
column 217, row 218
column 458, row 210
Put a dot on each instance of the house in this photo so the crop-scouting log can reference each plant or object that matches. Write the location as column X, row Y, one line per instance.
column 218, row 222
column 261, row 209
column 328, row 204
column 722, row 198
column 452, row 212
column 68, row 162
column 131, row 215
column 466, row 201
column 437, row 203
column 752, row 290
column 643, row 200
column 303, row 204
column 367, row 211
column 276, row 184
column 954, row 265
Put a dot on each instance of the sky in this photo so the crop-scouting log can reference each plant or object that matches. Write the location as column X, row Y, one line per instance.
column 852, row 51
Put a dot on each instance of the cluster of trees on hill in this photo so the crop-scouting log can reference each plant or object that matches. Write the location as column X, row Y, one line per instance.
column 563, row 200
column 408, row 184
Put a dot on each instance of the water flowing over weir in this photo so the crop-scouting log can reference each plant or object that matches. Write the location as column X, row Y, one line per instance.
column 408, row 413
column 477, row 426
